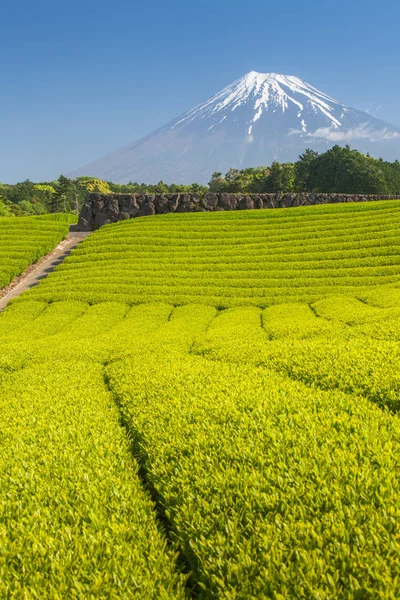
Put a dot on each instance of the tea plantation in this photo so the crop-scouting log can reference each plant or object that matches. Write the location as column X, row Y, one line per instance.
column 206, row 406
column 25, row 240
column 239, row 258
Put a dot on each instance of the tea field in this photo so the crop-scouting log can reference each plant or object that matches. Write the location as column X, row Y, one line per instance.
column 226, row 259
column 207, row 414
column 25, row 240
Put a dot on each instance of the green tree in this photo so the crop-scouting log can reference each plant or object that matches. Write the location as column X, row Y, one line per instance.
column 198, row 189
column 161, row 188
column 347, row 171
column 5, row 207
column 44, row 195
column 64, row 198
column 304, row 171
column 280, row 178
column 92, row 184
column 217, row 183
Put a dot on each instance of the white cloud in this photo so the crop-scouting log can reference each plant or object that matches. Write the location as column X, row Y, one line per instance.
column 295, row 132
column 363, row 132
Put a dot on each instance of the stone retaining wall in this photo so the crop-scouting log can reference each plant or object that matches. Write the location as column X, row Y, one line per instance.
column 100, row 209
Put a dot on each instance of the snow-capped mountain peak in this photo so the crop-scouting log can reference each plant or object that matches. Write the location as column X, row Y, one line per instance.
column 258, row 118
column 263, row 92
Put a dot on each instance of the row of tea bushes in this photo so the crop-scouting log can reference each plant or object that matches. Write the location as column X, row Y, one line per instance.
column 25, row 240
column 258, row 258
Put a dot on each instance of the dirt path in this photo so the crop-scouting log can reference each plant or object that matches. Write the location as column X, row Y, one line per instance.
column 40, row 270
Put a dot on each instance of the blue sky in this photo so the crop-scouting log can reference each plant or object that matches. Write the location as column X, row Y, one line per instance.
column 82, row 78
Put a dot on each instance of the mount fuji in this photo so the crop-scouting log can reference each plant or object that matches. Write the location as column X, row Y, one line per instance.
column 257, row 119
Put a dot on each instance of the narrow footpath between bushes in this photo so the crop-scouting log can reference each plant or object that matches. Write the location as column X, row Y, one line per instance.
column 40, row 270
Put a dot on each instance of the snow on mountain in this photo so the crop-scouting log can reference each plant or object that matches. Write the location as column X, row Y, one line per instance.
column 257, row 119
column 264, row 92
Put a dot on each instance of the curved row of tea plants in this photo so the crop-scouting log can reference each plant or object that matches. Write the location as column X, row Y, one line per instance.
column 26, row 240
column 235, row 259
column 152, row 450
column 75, row 518
column 271, row 490
column 267, row 488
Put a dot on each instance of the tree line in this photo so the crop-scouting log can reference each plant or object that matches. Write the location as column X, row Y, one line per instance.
column 338, row 170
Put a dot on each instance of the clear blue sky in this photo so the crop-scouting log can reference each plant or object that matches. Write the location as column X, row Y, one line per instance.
column 82, row 78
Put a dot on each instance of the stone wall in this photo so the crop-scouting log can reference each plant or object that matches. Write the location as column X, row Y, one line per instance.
column 100, row 209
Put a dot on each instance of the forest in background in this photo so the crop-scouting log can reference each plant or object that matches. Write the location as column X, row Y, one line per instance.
column 338, row 170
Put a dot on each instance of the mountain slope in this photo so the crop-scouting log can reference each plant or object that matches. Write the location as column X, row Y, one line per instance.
column 257, row 119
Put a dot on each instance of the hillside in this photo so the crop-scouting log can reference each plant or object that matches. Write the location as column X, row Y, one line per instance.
column 207, row 406
column 25, row 240
column 250, row 258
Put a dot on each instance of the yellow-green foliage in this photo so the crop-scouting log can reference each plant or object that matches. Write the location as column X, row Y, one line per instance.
column 267, row 487
column 25, row 240
column 18, row 315
column 360, row 359
column 295, row 320
column 272, row 490
column 346, row 310
column 177, row 449
column 92, row 184
column 75, row 519
column 257, row 258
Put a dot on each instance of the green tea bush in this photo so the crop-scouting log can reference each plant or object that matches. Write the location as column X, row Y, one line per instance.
column 76, row 522
column 272, row 490
column 25, row 240
column 207, row 406
column 255, row 258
